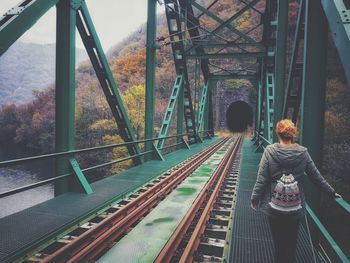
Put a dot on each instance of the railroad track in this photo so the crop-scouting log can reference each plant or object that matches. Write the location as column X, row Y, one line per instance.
column 203, row 235
column 91, row 239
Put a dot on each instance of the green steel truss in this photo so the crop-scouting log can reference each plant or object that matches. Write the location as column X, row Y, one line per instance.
column 266, row 89
column 338, row 17
column 20, row 18
column 99, row 61
column 299, row 97
column 164, row 128
column 175, row 28
column 203, row 104
column 294, row 82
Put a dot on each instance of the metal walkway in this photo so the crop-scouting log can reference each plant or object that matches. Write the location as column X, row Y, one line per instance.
column 251, row 237
column 23, row 231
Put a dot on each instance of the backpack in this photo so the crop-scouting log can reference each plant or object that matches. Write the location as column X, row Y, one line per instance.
column 286, row 195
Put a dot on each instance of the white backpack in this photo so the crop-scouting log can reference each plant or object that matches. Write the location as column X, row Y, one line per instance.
column 286, row 195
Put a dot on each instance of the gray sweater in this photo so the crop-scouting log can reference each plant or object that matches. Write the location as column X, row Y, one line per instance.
column 289, row 158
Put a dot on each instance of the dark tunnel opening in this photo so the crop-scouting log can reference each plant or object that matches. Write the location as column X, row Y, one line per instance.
column 239, row 116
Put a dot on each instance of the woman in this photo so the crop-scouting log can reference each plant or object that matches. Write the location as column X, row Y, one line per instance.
column 278, row 160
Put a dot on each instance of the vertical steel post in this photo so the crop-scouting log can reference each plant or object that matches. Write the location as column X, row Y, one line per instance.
column 313, row 89
column 180, row 115
column 65, row 88
column 280, row 61
column 150, row 74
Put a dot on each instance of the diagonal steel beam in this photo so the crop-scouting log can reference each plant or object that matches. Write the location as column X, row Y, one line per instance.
column 21, row 18
column 231, row 28
column 210, row 6
column 226, row 55
column 104, row 74
column 338, row 16
column 233, row 76
column 235, row 16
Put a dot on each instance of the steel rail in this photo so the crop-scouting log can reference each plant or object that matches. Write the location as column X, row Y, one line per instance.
column 90, row 243
column 194, row 241
column 161, row 190
column 173, row 243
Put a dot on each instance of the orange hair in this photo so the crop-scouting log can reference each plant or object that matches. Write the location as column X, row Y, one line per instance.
column 286, row 129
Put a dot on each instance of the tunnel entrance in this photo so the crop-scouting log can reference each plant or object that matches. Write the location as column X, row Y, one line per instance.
column 239, row 116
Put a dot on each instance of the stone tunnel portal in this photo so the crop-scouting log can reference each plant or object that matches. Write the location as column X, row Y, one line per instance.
column 239, row 116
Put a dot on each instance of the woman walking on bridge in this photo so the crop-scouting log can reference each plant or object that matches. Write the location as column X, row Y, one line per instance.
column 278, row 190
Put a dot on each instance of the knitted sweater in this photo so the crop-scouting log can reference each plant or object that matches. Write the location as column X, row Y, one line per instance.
column 278, row 158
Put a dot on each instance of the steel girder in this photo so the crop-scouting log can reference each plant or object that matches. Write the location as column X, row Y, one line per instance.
column 150, row 75
column 202, row 106
column 292, row 98
column 172, row 11
column 65, row 92
column 227, row 25
column 169, row 112
column 338, row 16
column 267, row 67
column 24, row 16
column 280, row 60
column 226, row 55
column 192, row 22
column 20, row 18
column 99, row 61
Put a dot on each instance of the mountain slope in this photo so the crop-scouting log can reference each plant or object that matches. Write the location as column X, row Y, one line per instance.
column 26, row 67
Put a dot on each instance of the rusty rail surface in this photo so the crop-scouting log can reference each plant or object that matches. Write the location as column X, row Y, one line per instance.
column 90, row 244
column 173, row 243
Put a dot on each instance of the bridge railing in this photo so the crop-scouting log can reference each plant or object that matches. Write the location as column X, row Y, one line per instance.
column 21, row 161
column 345, row 207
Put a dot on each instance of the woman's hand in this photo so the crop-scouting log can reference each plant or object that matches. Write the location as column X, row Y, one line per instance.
column 336, row 195
column 254, row 205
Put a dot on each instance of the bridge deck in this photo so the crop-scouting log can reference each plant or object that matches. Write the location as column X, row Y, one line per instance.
column 251, row 237
column 24, row 230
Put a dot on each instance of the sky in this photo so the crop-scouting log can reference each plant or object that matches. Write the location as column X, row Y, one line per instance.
column 113, row 20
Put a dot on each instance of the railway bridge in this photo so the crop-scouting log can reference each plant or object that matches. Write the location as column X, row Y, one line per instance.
column 187, row 196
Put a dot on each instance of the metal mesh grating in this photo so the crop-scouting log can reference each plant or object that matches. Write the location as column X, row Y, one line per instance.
column 251, row 236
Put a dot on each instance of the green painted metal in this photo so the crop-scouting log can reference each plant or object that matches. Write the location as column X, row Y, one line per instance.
column 231, row 28
column 203, row 104
column 180, row 114
column 65, row 90
column 157, row 153
column 150, row 73
column 193, row 25
column 210, row 124
column 175, row 28
column 20, row 18
column 313, row 88
column 226, row 55
column 235, row 16
column 169, row 112
column 122, row 184
column 83, row 183
column 338, row 16
column 328, row 236
column 217, row 77
column 258, row 106
column 345, row 205
column 99, row 61
column 186, row 144
column 280, row 61
column 223, row 45
column 291, row 104
column 268, row 108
